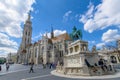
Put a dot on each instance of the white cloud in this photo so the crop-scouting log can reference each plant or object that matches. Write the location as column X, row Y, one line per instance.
column 110, row 35
column 88, row 15
column 102, row 16
column 37, row 11
column 6, row 42
column 36, row 37
column 91, row 42
column 56, row 33
column 7, row 45
column 12, row 13
column 99, row 45
column 66, row 15
column 5, row 50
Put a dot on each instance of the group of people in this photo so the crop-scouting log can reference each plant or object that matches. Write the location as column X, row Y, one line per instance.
column 50, row 65
column 104, row 66
column 102, row 63
column 7, row 67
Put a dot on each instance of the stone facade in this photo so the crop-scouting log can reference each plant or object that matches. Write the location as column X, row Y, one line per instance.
column 81, row 61
column 111, row 55
column 46, row 50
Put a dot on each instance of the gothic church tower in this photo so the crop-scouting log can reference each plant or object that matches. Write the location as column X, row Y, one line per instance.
column 27, row 33
column 26, row 39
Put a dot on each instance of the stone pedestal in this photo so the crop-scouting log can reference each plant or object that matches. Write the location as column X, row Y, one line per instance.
column 80, row 61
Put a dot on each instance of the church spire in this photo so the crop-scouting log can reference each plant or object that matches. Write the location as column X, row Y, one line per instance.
column 52, row 32
column 29, row 17
column 46, row 35
column 27, row 32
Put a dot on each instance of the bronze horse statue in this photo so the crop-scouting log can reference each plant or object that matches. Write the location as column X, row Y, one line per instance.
column 76, row 34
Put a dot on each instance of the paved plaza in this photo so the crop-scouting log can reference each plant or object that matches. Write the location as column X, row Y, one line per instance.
column 21, row 72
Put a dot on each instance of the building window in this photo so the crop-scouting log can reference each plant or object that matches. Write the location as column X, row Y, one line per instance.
column 76, row 48
column 60, row 46
column 29, row 34
column 36, row 52
column 28, row 40
column 30, row 55
column 42, row 48
column 54, row 46
column 71, row 50
column 56, row 55
column 49, row 55
column 25, row 39
column 61, row 53
column 26, row 32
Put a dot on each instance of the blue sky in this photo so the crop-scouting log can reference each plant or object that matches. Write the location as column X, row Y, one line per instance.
column 98, row 19
column 62, row 15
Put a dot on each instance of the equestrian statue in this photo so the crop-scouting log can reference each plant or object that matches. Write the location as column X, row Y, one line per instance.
column 76, row 34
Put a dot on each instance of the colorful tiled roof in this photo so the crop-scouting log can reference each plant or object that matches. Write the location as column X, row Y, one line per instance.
column 64, row 36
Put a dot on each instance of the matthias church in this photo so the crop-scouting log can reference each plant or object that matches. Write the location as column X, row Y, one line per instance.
column 46, row 50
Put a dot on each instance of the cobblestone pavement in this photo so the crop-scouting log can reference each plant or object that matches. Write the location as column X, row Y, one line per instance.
column 21, row 72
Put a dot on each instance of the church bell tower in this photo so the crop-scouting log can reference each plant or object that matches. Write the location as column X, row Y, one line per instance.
column 27, row 32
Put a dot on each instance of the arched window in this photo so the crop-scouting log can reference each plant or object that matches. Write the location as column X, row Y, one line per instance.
column 113, row 59
column 26, row 32
column 36, row 52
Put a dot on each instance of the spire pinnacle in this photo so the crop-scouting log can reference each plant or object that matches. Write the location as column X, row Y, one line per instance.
column 29, row 15
column 52, row 32
column 46, row 35
column 51, row 28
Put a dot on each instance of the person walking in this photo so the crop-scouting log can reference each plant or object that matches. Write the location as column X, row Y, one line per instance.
column 7, row 66
column 51, row 65
column 0, row 68
column 101, row 63
column 31, row 67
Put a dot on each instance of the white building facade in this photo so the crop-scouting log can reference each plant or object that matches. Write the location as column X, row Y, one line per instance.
column 46, row 50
